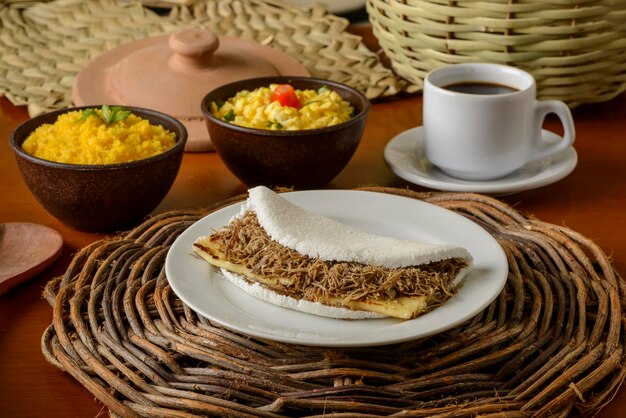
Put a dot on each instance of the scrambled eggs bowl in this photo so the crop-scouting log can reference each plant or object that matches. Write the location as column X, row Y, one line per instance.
column 280, row 107
column 85, row 138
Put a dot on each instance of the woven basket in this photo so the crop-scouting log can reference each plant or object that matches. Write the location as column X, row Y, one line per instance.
column 44, row 44
column 575, row 50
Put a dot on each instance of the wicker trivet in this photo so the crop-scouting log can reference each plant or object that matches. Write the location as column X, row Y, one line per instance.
column 552, row 344
column 45, row 44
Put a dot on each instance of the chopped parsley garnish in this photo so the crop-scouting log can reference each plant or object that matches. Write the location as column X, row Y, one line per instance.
column 219, row 103
column 323, row 90
column 277, row 124
column 230, row 116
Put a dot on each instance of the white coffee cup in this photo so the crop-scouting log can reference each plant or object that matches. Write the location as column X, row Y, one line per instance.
column 479, row 136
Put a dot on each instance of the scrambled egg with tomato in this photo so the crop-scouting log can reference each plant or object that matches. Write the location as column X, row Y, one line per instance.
column 280, row 107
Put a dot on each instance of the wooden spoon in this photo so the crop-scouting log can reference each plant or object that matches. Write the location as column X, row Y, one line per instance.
column 25, row 250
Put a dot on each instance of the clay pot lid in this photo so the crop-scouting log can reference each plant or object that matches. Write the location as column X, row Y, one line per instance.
column 172, row 74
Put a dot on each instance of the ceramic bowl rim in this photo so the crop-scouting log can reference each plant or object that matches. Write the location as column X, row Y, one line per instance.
column 181, row 139
column 264, row 81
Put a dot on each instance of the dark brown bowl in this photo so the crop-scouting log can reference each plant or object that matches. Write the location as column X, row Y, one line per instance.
column 300, row 159
column 100, row 198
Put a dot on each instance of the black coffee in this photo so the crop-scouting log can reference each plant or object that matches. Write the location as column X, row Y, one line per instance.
column 477, row 87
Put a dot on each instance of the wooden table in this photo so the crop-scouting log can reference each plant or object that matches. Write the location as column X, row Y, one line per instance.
column 592, row 201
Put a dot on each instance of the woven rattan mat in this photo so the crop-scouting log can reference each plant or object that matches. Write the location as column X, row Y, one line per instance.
column 552, row 343
column 45, row 44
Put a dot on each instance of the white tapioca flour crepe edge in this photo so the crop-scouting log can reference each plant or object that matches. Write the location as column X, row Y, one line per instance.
column 314, row 236
column 259, row 291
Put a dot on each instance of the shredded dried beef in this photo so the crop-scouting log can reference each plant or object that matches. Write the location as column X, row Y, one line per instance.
column 243, row 241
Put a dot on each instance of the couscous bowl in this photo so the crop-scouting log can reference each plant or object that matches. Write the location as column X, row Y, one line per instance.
column 302, row 157
column 102, row 197
column 86, row 137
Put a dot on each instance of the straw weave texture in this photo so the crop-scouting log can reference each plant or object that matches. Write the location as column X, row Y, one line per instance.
column 45, row 44
column 575, row 50
column 551, row 345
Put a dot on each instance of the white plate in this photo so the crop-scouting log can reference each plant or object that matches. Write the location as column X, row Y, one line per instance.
column 404, row 155
column 333, row 6
column 205, row 290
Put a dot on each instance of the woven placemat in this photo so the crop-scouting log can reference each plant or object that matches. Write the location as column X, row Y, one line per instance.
column 552, row 343
column 45, row 44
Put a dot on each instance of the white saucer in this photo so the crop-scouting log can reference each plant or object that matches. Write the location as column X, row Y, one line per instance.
column 404, row 155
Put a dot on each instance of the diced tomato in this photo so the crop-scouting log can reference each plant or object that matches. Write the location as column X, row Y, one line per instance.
column 286, row 96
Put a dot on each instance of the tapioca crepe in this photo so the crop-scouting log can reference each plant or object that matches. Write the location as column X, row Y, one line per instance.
column 288, row 256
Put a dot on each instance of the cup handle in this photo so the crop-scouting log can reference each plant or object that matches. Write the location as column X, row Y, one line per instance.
column 544, row 148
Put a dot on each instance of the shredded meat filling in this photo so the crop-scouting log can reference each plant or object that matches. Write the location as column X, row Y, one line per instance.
column 243, row 241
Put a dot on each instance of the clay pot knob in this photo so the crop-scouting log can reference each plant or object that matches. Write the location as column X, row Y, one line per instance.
column 193, row 48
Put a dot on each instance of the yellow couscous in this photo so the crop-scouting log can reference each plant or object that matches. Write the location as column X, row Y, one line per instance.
column 261, row 110
column 77, row 139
